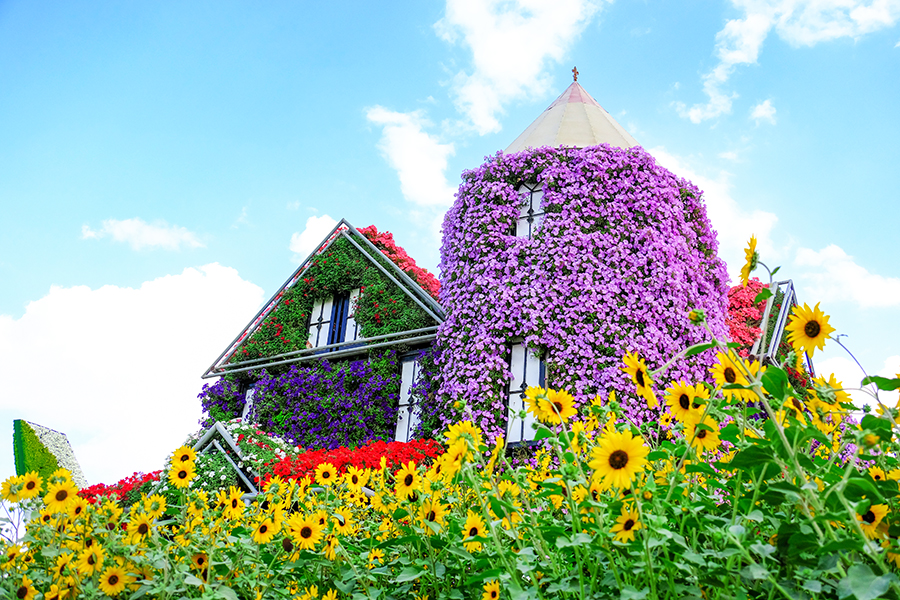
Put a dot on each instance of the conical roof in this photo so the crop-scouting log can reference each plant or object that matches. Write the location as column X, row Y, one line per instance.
column 574, row 119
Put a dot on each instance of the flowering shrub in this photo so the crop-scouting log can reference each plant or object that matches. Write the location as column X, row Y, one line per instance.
column 744, row 317
column 384, row 241
column 221, row 401
column 326, row 405
column 395, row 455
column 624, row 251
column 126, row 492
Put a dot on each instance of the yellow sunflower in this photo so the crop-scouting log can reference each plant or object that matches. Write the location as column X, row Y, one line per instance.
column 637, row 370
column 870, row 521
column 59, row 495
column 155, row 505
column 140, row 527
column 77, row 507
column 431, row 513
column 332, row 543
column 180, row 475
column 473, row 528
column 326, row 474
column 113, row 581
column 618, row 458
column 26, row 590
column 408, row 481
column 464, row 431
column 56, row 593
column 877, row 473
column 91, row 560
column 264, row 531
column 808, row 328
column 491, row 590
column 626, row 524
column 727, row 370
column 752, row 257
column 356, row 478
column 31, row 485
column 199, row 561
column 533, row 395
column 686, row 401
column 184, row 454
column 342, row 523
column 376, row 557
column 12, row 489
column 703, row 439
column 557, row 407
column 305, row 530
column 232, row 503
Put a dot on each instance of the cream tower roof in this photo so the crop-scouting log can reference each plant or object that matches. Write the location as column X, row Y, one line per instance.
column 574, row 119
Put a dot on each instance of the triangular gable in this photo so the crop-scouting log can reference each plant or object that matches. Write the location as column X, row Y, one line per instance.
column 369, row 251
column 217, row 439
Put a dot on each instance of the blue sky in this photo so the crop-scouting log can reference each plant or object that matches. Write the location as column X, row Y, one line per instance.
column 164, row 166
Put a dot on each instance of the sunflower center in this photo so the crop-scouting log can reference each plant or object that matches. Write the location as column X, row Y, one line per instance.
column 730, row 375
column 558, row 406
column 812, row 329
column 200, row 561
column 876, row 477
column 408, row 480
column 234, row 503
column 431, row 516
column 263, row 528
column 493, row 593
column 183, row 458
column 869, row 517
column 287, row 545
column 143, row 529
column 618, row 459
column 61, row 495
column 701, row 434
column 113, row 579
column 628, row 525
column 473, row 532
column 684, row 401
column 182, row 474
column 30, row 485
column 22, row 592
column 355, row 480
column 639, row 375
column 306, row 532
column 77, row 510
column 92, row 561
column 88, row 542
column 326, row 475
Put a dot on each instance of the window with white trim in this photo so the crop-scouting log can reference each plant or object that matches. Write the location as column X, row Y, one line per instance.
column 408, row 416
column 530, row 211
column 528, row 369
column 331, row 320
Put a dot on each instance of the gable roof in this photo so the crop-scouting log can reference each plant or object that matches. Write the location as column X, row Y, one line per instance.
column 395, row 274
column 574, row 119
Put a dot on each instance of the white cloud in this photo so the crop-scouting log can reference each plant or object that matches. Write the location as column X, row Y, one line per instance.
column 798, row 22
column 764, row 111
column 848, row 372
column 419, row 158
column 731, row 155
column 732, row 222
column 118, row 369
column 304, row 242
column 832, row 275
column 512, row 43
column 139, row 234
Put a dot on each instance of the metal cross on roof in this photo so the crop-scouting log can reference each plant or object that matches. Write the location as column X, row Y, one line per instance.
column 575, row 73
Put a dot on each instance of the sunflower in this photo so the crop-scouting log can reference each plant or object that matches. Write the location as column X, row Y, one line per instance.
column 343, row 521
column 491, row 590
column 728, row 370
column 558, row 406
column 264, row 531
column 533, row 395
column 181, row 474
column 626, row 524
column 305, row 530
column 431, row 515
column 684, row 400
column 330, row 595
column 25, row 591
column 408, row 481
column 155, row 506
column 356, row 478
column 752, row 257
column 808, row 328
column 56, row 593
column 870, row 521
column 232, row 502
column 331, row 545
column 199, row 561
column 376, row 557
column 464, row 431
column 473, row 528
column 31, row 485
column 877, row 473
column 326, row 474
column 703, row 439
column 618, row 458
column 59, row 495
column 183, row 455
column 139, row 527
column 113, row 581
column 637, row 370
column 91, row 560
column 77, row 507
column 12, row 489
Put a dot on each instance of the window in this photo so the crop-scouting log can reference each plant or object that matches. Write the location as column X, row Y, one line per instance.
column 530, row 212
column 332, row 322
column 527, row 370
column 408, row 412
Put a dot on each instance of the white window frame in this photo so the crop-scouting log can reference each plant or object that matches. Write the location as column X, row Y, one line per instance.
column 324, row 321
column 531, row 211
column 408, row 411
column 528, row 369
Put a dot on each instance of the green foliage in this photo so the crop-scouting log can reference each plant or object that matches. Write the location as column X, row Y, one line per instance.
column 30, row 453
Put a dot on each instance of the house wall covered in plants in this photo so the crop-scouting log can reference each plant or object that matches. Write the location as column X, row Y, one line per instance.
column 622, row 252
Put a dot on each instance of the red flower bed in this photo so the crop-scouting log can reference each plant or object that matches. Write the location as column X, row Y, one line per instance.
column 744, row 317
column 384, row 241
column 395, row 453
column 118, row 490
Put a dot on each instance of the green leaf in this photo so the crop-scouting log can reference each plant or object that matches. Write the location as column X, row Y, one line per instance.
column 409, row 574
column 863, row 584
column 698, row 348
column 229, row 594
column 755, row 571
column 701, row 468
column 879, row 425
column 883, row 383
column 776, row 382
column 631, row 593
column 857, row 487
column 483, row 575
column 191, row 580
column 764, row 294
column 579, row 539
column 657, row 455
column 543, row 433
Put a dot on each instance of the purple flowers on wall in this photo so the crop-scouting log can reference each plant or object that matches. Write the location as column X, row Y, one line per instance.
column 624, row 251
